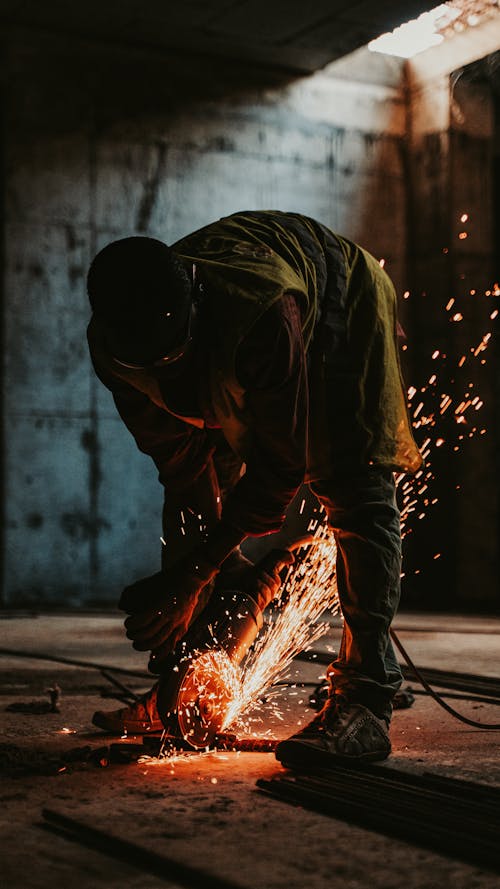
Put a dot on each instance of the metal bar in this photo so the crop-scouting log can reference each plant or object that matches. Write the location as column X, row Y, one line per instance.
column 144, row 859
column 114, row 681
column 42, row 656
column 487, row 685
column 455, row 817
column 481, row 685
column 459, row 696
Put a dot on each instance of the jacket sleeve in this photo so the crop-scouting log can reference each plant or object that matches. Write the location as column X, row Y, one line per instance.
column 271, row 365
column 184, row 458
column 180, row 451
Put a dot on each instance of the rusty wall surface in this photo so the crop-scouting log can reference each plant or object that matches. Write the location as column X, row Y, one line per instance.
column 98, row 147
column 452, row 271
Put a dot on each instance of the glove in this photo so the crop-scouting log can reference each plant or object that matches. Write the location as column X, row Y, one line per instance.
column 161, row 607
column 143, row 594
column 261, row 581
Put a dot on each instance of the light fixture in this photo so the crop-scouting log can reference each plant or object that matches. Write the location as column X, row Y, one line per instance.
column 416, row 36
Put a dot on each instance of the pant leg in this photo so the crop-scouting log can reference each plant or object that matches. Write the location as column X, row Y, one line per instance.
column 363, row 514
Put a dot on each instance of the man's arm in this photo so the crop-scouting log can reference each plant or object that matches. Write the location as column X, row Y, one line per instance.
column 183, row 457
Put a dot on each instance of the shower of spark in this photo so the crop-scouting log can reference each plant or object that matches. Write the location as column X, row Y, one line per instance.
column 429, row 403
column 309, row 590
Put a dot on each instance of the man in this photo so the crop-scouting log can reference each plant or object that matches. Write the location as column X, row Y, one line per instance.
column 252, row 356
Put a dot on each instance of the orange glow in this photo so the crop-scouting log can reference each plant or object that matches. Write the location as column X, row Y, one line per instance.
column 310, row 588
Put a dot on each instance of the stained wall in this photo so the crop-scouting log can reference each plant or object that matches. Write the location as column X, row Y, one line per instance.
column 99, row 144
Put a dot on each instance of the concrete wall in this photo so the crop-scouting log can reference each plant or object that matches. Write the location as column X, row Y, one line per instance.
column 99, row 144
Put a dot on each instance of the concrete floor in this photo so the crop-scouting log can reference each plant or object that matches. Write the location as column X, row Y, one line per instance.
column 204, row 809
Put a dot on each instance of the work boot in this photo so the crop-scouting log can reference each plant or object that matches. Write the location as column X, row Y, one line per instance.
column 140, row 718
column 343, row 732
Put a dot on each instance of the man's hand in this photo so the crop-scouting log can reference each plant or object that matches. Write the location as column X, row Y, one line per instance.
column 161, row 607
column 262, row 580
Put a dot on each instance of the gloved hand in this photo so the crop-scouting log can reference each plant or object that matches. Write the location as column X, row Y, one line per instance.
column 161, row 607
column 261, row 581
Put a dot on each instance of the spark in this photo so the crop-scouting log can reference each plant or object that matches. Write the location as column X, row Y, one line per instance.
column 309, row 590
column 171, row 756
column 445, row 403
column 482, row 345
column 414, row 502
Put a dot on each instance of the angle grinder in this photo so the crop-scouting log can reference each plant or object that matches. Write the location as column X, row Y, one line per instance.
column 200, row 679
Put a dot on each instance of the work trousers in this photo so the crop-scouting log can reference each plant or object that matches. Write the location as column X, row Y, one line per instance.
column 362, row 511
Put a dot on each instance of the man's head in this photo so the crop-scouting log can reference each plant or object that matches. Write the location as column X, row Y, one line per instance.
column 141, row 297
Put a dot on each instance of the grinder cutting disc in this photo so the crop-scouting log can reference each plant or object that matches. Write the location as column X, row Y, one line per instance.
column 206, row 691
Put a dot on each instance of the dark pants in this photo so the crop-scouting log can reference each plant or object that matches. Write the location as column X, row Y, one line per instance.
column 363, row 514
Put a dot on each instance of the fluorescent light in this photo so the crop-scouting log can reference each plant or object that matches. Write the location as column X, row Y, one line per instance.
column 417, row 35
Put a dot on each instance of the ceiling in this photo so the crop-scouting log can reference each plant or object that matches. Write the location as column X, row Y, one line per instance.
column 290, row 34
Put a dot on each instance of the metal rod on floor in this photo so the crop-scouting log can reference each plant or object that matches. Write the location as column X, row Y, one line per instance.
column 485, row 685
column 144, row 859
column 458, row 818
column 42, row 656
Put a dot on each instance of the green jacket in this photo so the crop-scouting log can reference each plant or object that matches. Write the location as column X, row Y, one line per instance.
column 248, row 260
column 351, row 411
